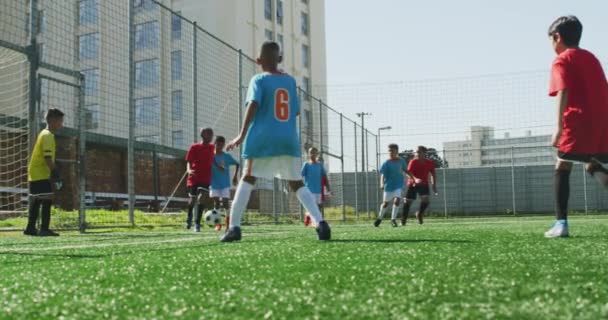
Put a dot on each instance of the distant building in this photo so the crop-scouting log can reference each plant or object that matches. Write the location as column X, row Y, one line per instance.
column 484, row 150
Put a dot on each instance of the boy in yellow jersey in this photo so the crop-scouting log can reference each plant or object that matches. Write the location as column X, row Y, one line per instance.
column 40, row 171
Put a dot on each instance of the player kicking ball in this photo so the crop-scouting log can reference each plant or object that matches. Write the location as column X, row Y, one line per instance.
column 314, row 174
column 198, row 165
column 579, row 83
column 420, row 168
column 271, row 145
column 391, row 181
column 220, row 178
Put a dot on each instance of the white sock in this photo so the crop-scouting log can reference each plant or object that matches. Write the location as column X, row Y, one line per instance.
column 307, row 199
column 239, row 204
column 395, row 212
column 382, row 212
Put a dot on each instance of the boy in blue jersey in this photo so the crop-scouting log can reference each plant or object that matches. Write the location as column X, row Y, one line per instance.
column 220, row 177
column 313, row 173
column 270, row 141
column 391, row 181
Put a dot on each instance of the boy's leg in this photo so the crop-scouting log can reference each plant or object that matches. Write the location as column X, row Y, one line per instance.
column 395, row 211
column 45, row 220
column 33, row 212
column 241, row 198
column 381, row 213
column 407, row 204
column 562, row 194
column 226, row 208
column 203, row 201
column 191, row 202
column 307, row 199
column 597, row 170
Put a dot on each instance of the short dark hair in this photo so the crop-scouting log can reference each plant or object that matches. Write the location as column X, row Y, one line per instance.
column 53, row 113
column 313, row 148
column 220, row 139
column 271, row 46
column 569, row 28
column 393, row 146
column 206, row 130
column 421, row 149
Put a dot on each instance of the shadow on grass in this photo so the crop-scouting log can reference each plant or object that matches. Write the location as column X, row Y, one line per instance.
column 399, row 241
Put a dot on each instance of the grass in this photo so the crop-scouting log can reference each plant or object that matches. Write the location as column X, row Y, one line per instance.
column 454, row 269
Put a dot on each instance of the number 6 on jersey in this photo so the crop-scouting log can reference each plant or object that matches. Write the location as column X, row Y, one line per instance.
column 281, row 105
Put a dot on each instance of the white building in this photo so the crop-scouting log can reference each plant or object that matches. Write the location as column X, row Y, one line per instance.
column 484, row 150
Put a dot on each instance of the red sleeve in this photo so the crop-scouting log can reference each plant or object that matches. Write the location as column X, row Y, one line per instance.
column 410, row 165
column 560, row 78
column 432, row 167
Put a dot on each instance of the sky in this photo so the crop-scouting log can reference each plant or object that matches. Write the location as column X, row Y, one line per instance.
column 430, row 69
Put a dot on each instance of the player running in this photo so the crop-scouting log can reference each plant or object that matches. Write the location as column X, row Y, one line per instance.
column 391, row 181
column 420, row 169
column 198, row 165
column 220, row 178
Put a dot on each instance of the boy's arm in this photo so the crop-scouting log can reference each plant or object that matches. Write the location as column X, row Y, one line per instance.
column 235, row 180
column 49, row 163
column 433, row 179
column 382, row 181
column 188, row 168
column 562, row 101
column 252, row 107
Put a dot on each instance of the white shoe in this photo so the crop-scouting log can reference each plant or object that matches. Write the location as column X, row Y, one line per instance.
column 557, row 231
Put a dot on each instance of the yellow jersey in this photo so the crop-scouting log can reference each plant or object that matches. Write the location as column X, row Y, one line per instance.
column 44, row 147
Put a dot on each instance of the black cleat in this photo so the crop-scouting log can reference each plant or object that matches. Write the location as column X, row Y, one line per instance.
column 377, row 222
column 419, row 217
column 30, row 232
column 48, row 233
column 394, row 223
column 323, row 231
column 403, row 222
column 233, row 234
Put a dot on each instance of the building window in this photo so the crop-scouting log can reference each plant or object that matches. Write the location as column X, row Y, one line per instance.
column 269, row 35
column 305, row 56
column 91, row 82
column 268, row 9
column 176, row 26
column 88, row 46
column 92, row 117
column 146, row 73
column 87, row 13
column 304, row 1
column 41, row 21
column 176, row 65
column 280, row 12
column 306, row 88
column 147, row 111
column 176, row 105
column 144, row 4
column 281, row 42
column 41, row 55
column 146, row 35
column 305, row 23
column 177, row 138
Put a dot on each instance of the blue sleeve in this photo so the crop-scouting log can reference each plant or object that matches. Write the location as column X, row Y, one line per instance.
column 323, row 172
column 254, row 92
column 231, row 160
column 304, row 169
column 383, row 168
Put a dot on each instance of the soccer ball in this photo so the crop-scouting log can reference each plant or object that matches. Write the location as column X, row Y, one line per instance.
column 213, row 218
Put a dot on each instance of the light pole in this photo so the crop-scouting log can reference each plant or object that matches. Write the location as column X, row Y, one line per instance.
column 362, row 116
column 378, row 146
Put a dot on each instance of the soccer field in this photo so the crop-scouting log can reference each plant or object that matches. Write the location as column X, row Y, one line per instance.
column 444, row 269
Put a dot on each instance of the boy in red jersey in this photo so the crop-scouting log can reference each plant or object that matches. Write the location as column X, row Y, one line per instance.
column 420, row 167
column 198, row 164
column 579, row 83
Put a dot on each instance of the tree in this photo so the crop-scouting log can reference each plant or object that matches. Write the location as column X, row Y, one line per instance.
column 431, row 154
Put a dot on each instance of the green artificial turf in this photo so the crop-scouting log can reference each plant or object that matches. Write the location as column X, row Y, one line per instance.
column 444, row 269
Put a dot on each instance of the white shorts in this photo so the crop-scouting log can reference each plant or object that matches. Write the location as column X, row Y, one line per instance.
column 220, row 193
column 282, row 167
column 318, row 198
column 388, row 196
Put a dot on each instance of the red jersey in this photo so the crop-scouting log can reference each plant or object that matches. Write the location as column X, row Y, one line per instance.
column 420, row 169
column 200, row 156
column 585, row 126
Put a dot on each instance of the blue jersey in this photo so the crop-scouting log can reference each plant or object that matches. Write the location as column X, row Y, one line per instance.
column 273, row 130
column 393, row 174
column 221, row 179
column 313, row 174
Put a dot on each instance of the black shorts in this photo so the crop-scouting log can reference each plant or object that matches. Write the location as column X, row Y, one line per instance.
column 412, row 191
column 193, row 189
column 41, row 188
column 585, row 158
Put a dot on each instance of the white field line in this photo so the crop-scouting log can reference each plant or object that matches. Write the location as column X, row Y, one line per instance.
column 125, row 244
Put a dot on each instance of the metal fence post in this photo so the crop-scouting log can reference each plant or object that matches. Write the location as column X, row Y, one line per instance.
column 366, row 172
column 131, row 142
column 445, row 188
column 194, row 83
column 34, row 62
column 342, row 165
column 513, row 181
column 82, row 144
column 356, row 174
column 585, row 189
